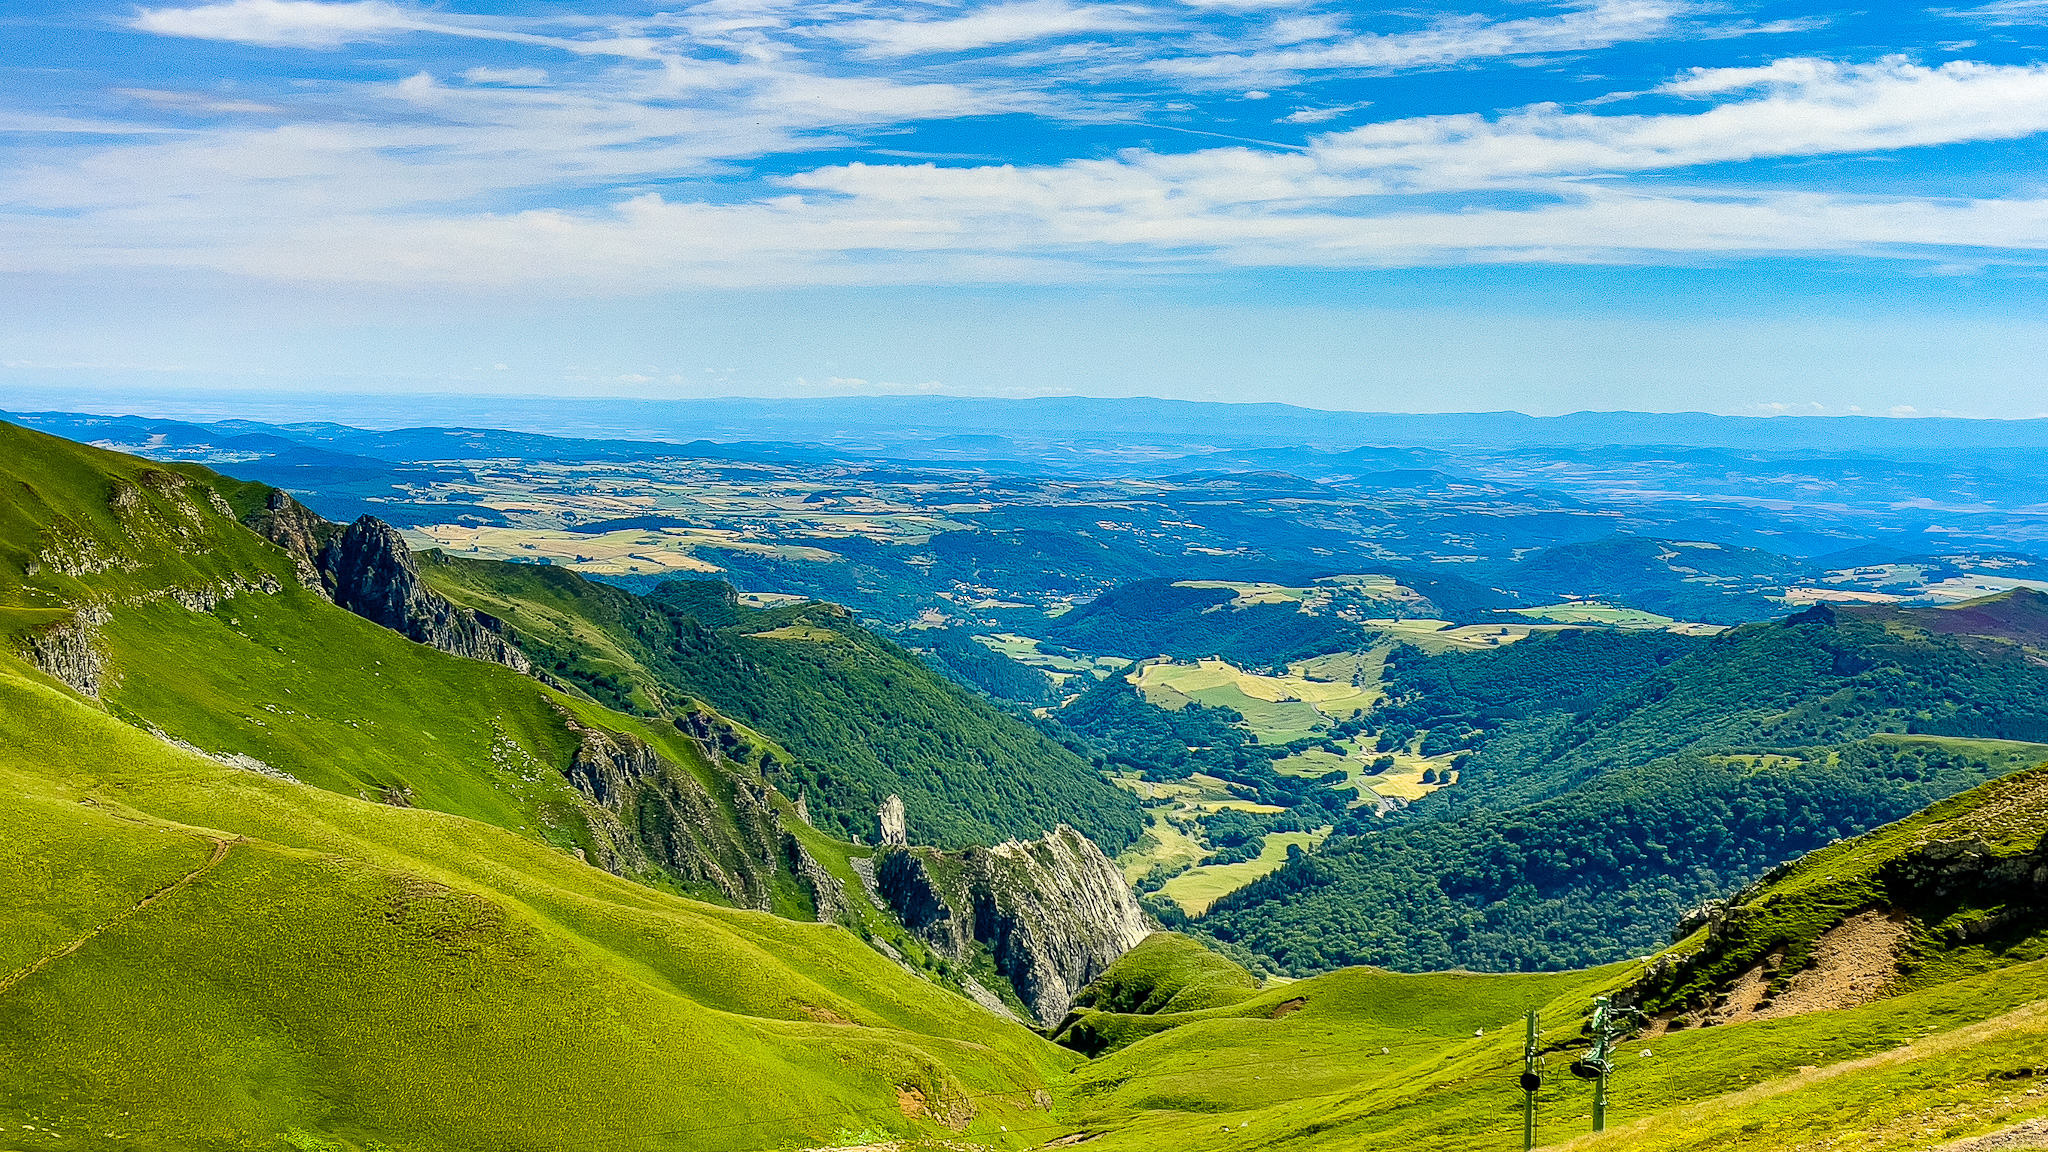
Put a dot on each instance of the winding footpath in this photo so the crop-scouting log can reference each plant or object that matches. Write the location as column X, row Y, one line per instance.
column 220, row 852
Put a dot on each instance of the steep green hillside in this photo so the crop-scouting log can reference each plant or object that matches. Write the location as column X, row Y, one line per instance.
column 139, row 586
column 863, row 718
column 1368, row 1059
column 200, row 956
column 1952, row 890
column 1592, row 813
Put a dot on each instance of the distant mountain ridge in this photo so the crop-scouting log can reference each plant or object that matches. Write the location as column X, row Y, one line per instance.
column 974, row 426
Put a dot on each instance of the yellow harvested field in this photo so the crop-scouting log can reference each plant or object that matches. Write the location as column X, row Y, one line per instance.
column 1164, row 842
column 1365, row 668
column 1438, row 636
column 1197, row 888
column 1249, row 594
column 1170, row 679
column 636, row 550
column 1403, row 781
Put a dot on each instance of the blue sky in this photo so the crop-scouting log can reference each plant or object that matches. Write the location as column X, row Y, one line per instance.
column 1654, row 204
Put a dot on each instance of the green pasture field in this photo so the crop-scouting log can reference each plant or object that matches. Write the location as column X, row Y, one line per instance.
column 1276, row 709
column 1361, row 1058
column 1025, row 650
column 1593, row 612
column 1197, row 888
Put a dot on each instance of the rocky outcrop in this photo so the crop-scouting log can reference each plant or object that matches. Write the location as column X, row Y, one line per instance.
column 368, row 569
column 895, row 827
column 371, row 573
column 301, row 532
column 647, row 810
column 69, row 650
column 1054, row 913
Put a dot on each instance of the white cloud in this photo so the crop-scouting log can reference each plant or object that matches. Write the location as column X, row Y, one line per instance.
column 1799, row 108
column 1010, row 23
column 281, row 23
column 2004, row 12
column 1321, row 115
column 317, row 24
column 353, row 202
column 520, row 174
column 194, row 101
column 1450, row 41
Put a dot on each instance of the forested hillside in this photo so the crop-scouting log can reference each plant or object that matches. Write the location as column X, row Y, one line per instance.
column 1586, row 818
column 1164, row 618
column 863, row 718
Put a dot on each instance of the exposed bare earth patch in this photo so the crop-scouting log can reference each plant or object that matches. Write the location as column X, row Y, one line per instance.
column 1853, row 963
column 1289, row 1007
column 822, row 1015
column 2025, row 1134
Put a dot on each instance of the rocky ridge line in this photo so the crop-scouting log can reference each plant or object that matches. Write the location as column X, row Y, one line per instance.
column 368, row 569
column 1054, row 912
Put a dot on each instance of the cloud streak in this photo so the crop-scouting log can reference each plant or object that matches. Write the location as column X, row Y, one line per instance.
column 1384, row 194
column 625, row 153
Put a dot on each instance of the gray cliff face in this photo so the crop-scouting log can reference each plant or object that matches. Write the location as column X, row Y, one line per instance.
column 301, row 532
column 645, row 809
column 368, row 569
column 69, row 651
column 1053, row 912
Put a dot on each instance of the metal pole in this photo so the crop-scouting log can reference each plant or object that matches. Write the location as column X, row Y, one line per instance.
column 1601, row 1029
column 1600, row 1105
column 1529, row 1094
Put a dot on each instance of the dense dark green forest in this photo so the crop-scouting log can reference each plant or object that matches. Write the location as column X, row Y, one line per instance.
column 866, row 718
column 1585, row 818
column 1160, row 618
column 955, row 652
column 1586, row 878
column 862, row 717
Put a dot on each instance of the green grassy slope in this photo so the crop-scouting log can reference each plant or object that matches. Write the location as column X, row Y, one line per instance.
column 202, row 957
column 863, row 717
column 1963, row 870
column 1363, row 1058
column 203, row 633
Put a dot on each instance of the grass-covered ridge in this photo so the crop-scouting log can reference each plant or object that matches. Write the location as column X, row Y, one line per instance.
column 203, row 957
column 1960, row 875
column 863, row 718
column 193, row 626
column 1190, row 1055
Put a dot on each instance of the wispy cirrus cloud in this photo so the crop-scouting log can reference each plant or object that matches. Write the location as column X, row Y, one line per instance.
column 282, row 23
column 1391, row 193
column 319, row 24
column 1007, row 23
column 668, row 147
column 1450, row 39
column 2003, row 12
